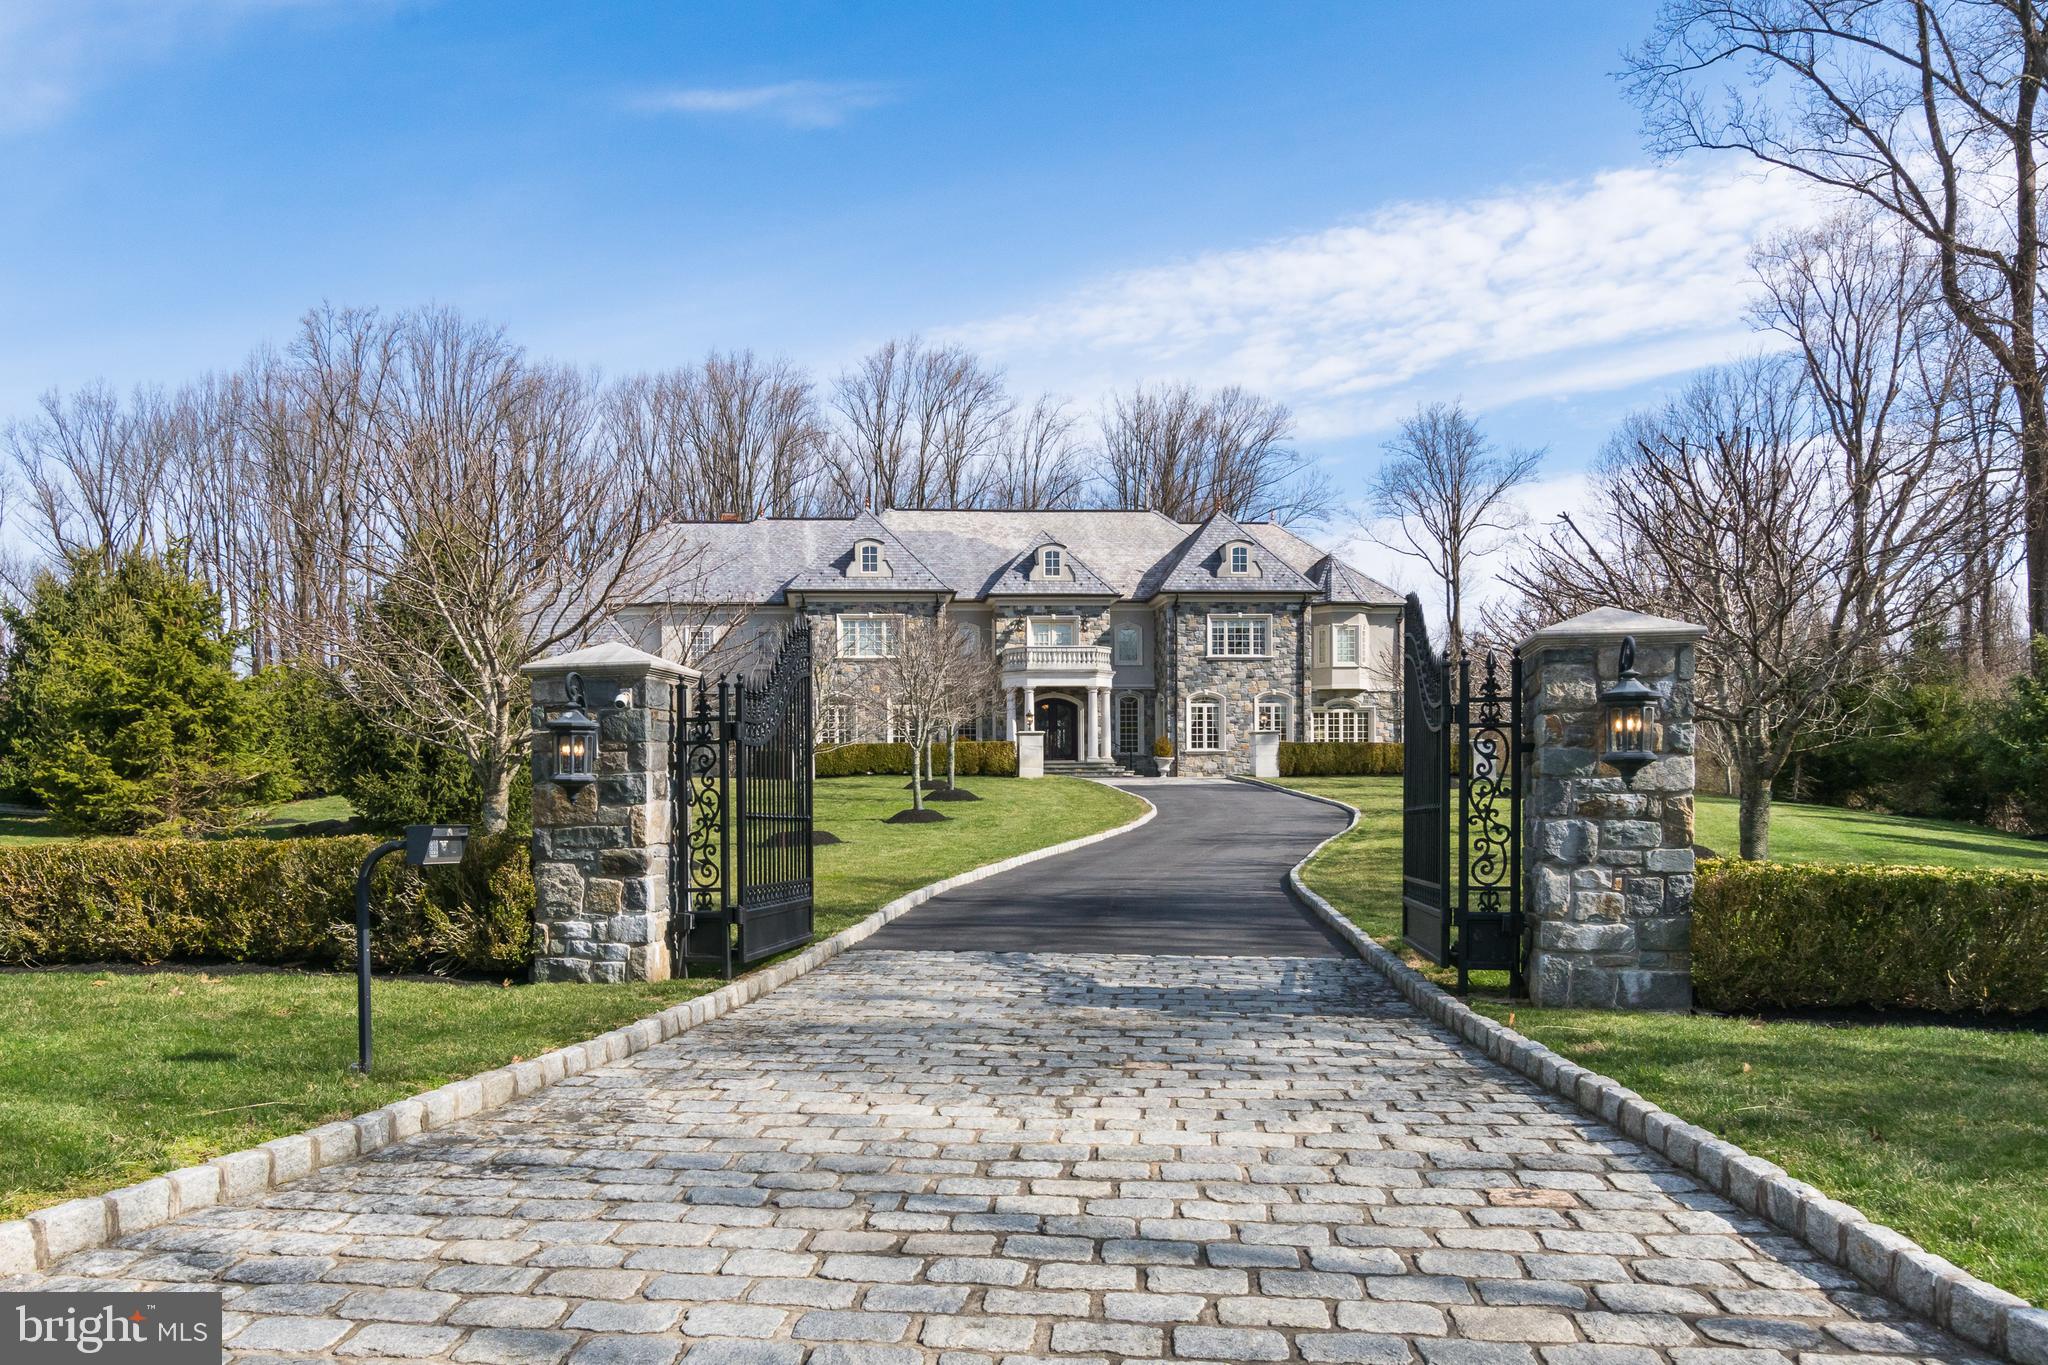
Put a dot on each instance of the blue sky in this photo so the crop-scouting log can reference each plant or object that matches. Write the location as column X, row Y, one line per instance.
column 1353, row 206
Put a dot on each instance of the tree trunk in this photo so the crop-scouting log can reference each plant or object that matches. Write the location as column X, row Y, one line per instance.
column 1756, row 813
column 496, row 813
column 2034, row 467
column 952, row 763
column 917, row 769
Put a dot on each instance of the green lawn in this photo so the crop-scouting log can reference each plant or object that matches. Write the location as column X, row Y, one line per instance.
column 1929, row 1129
column 1829, row 834
column 109, row 1076
column 18, row 826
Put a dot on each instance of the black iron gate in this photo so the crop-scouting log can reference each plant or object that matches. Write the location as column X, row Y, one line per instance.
column 742, row 811
column 1462, row 726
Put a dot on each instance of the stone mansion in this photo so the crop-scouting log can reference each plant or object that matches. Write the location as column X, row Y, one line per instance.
column 1111, row 627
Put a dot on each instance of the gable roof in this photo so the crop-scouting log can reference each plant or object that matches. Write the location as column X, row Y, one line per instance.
column 974, row 554
column 907, row 573
column 1198, row 566
column 1017, row 579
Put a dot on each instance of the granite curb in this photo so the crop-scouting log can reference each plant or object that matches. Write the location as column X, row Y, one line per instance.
column 42, row 1238
column 1883, row 1258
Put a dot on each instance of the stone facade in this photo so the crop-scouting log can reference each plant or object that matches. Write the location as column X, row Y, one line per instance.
column 1610, row 861
column 1235, row 683
column 601, row 849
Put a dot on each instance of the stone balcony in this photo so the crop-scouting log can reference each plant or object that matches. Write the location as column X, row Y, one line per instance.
column 1053, row 665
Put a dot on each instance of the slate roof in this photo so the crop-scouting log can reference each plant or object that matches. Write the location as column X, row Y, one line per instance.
column 1198, row 566
column 973, row 554
column 1017, row 579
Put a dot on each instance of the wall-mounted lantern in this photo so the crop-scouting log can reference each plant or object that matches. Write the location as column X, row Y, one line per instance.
column 575, row 738
column 1629, row 717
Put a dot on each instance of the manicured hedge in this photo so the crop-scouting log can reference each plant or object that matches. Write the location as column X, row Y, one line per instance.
column 262, row 900
column 1340, row 760
column 1845, row 935
column 972, row 758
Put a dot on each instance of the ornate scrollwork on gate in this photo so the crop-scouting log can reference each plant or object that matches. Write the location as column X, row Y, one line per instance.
column 775, row 698
column 699, row 773
column 1489, row 760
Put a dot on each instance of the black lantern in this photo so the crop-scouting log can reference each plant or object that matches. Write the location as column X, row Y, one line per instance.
column 1629, row 715
column 575, row 736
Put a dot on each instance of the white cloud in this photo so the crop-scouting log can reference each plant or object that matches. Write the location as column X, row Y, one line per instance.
column 54, row 52
column 1544, row 291
column 794, row 104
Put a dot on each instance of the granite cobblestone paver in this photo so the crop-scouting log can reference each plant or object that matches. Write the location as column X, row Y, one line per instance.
column 997, row 1159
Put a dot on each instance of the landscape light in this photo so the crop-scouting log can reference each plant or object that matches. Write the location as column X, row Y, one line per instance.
column 575, row 739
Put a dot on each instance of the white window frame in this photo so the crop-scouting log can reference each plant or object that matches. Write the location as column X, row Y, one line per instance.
column 889, row 632
column 1339, row 636
column 1130, row 723
column 1258, row 635
column 1052, row 562
column 1136, row 638
column 890, row 733
column 1270, row 702
column 1073, row 623
column 1342, row 724
column 1240, row 560
column 832, row 724
column 1212, row 709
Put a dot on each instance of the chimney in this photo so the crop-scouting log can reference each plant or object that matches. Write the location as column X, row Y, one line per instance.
column 730, row 516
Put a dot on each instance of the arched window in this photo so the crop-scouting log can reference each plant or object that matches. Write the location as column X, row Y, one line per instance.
column 1272, row 713
column 1341, row 725
column 1205, row 724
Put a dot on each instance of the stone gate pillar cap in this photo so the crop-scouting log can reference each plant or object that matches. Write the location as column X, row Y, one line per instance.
column 610, row 657
column 1611, row 623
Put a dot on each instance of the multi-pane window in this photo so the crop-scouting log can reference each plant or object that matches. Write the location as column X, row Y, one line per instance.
column 1052, row 632
column 870, row 559
column 1239, row 637
column 1127, row 732
column 898, row 725
column 1130, row 646
column 1344, row 644
column 1240, row 560
column 1272, row 713
column 1052, row 563
column 866, row 637
column 1205, row 725
column 1342, row 725
column 832, row 725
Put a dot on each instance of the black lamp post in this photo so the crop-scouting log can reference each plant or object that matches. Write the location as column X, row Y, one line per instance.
column 424, row 846
column 1629, row 717
column 575, row 738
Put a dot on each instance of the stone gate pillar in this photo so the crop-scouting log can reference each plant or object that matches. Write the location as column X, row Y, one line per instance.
column 601, row 847
column 1609, row 859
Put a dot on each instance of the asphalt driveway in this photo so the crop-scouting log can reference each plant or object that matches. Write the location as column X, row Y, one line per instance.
column 1208, row 877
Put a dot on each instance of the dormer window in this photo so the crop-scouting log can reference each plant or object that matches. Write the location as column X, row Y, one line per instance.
column 1236, row 561
column 1240, row 560
column 1052, row 562
column 868, row 561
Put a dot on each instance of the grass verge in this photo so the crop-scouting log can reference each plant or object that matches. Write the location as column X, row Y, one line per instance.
column 110, row 1076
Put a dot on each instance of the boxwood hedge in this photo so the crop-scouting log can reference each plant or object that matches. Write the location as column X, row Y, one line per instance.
column 261, row 900
column 1340, row 760
column 972, row 758
column 1869, row 935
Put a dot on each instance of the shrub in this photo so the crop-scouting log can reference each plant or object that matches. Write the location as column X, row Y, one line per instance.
column 1162, row 747
column 1778, row 935
column 124, row 713
column 974, row 758
column 265, row 901
column 1332, row 759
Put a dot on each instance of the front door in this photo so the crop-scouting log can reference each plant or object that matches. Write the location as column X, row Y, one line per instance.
column 1061, row 722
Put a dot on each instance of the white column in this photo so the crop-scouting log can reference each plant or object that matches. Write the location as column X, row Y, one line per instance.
column 1088, row 734
column 1010, row 714
column 1102, row 714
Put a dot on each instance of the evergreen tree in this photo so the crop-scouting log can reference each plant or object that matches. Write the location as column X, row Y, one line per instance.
column 124, row 713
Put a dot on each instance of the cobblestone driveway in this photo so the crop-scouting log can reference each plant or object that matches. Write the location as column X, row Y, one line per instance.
column 971, row 1158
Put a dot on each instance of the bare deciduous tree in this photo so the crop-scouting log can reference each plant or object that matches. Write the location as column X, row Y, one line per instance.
column 91, row 484
column 499, row 529
column 939, row 676
column 734, row 437
column 1929, row 110
column 1729, row 507
column 917, row 426
column 1189, row 455
column 1445, row 496
column 1041, row 463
